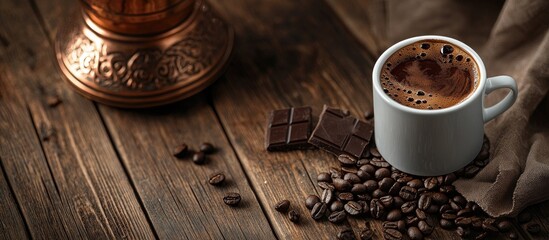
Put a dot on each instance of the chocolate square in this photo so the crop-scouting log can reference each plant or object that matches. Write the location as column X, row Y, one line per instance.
column 339, row 133
column 289, row 129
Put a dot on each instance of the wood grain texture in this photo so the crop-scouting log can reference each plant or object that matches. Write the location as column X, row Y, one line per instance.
column 12, row 224
column 59, row 160
column 175, row 193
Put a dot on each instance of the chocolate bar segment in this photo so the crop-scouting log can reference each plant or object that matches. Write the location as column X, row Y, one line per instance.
column 289, row 129
column 339, row 133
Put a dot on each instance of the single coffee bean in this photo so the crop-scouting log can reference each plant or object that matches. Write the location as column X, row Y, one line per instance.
column 463, row 232
column 512, row 235
column 465, row 212
column 337, row 217
column 362, row 161
column 460, row 200
column 368, row 168
column 327, row 196
column 448, row 189
column 392, row 234
column 421, row 214
column 199, row 157
column 387, row 201
column 445, row 208
column 335, row 173
column 431, row 183
column 439, row 198
column 368, row 114
column 424, row 202
column 378, row 193
column 408, row 207
column 346, row 196
column 432, row 209
column 365, row 206
column 366, row 234
column 346, row 234
column 450, row 178
column 481, row 236
column 217, row 179
column 533, row 228
column 415, row 183
column 422, row 190
column 318, row 211
column 376, row 209
column 375, row 152
column 371, row 185
column 341, row 185
column 454, row 205
column 488, row 225
column 379, row 162
column 394, row 215
column 206, row 148
column 325, row 185
column 446, row 224
column 390, row 224
column 349, row 169
column 282, row 206
column 364, row 197
column 424, row 227
column 449, row 216
column 363, row 175
column 463, row 221
column 476, row 222
column 336, row 206
column 386, row 183
column 311, row 200
column 358, row 188
column 232, row 199
column 524, row 217
column 382, row 173
column 408, row 193
column 414, row 233
column 352, row 178
column 353, row 208
column 294, row 216
column 324, row 177
column 181, row 151
column 404, row 179
column 504, row 226
column 395, row 189
column 346, row 160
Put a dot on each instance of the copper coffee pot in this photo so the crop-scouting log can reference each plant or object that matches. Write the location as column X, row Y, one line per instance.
column 142, row 53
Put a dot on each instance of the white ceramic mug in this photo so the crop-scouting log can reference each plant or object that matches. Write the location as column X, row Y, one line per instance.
column 440, row 141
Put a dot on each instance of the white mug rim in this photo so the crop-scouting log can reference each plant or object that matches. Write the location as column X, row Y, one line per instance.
column 376, row 73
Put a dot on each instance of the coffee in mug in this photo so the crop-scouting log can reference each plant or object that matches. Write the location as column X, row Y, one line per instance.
column 430, row 74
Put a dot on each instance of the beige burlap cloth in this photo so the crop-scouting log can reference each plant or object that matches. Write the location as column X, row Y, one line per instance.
column 512, row 38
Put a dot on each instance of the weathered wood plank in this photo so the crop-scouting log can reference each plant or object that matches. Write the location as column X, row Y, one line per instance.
column 59, row 160
column 176, row 194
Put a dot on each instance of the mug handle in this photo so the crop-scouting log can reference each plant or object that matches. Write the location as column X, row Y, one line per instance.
column 498, row 82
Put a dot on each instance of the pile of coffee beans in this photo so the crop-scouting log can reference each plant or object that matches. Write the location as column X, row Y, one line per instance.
column 183, row 151
column 409, row 206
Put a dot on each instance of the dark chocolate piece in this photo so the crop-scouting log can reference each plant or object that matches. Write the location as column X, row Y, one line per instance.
column 339, row 133
column 289, row 129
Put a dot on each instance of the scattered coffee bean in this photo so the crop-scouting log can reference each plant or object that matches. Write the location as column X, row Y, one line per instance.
column 414, row 233
column 371, row 185
column 488, row 225
column 415, row 183
column 318, row 211
column 346, row 196
column 394, row 215
column 465, row 212
column 336, row 206
column 424, row 227
column 463, row 232
column 386, row 183
column 431, row 183
column 387, row 201
column 378, row 193
column 439, row 198
column 181, row 151
column 358, row 188
column 352, row 178
column 325, row 185
column 346, row 234
column 346, row 160
column 463, row 221
column 337, row 217
column 533, row 228
column 408, row 193
column 206, row 148
column 282, row 206
column 368, row 114
column 341, row 185
column 363, row 175
column 382, row 173
column 293, row 216
column 232, row 199
column 448, row 216
column 392, row 234
column 217, row 179
column 353, row 208
column 408, row 207
column 421, row 214
column 311, row 201
column 424, row 202
column 199, row 157
column 446, row 224
column 327, row 196
column 412, row 220
column 376, row 209
column 505, row 226
column 395, row 189
column 390, row 225
column 379, row 162
column 375, row 152
column 324, row 177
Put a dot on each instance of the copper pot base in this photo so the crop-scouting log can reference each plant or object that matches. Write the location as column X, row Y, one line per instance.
column 136, row 71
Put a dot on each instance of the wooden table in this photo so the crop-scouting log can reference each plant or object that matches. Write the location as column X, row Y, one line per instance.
column 84, row 170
